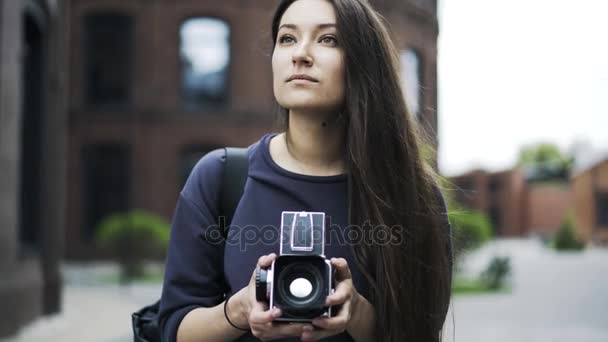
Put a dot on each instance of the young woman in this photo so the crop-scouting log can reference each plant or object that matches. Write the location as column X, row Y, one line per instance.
column 350, row 150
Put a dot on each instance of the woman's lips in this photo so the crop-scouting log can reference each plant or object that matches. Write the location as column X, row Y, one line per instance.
column 301, row 81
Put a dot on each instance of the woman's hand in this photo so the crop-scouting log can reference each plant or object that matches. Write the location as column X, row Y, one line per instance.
column 345, row 296
column 259, row 317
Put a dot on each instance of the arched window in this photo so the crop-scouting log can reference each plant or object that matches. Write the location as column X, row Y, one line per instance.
column 109, row 49
column 205, row 58
column 411, row 73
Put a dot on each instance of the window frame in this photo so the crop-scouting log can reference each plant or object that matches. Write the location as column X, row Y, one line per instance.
column 182, row 101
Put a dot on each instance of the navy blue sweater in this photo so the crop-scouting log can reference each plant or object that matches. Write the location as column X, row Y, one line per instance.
column 200, row 268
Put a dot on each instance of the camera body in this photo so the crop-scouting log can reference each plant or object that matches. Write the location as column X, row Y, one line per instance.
column 300, row 278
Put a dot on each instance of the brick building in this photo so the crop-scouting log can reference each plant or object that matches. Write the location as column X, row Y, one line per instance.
column 499, row 195
column 516, row 205
column 590, row 191
column 156, row 84
column 32, row 158
column 107, row 104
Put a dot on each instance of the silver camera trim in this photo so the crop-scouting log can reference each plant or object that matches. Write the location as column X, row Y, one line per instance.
column 292, row 246
column 270, row 293
column 312, row 233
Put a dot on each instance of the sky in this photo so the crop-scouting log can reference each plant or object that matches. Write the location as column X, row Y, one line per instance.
column 518, row 72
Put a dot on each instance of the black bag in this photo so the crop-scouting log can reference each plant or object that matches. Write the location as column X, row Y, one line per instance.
column 145, row 324
column 145, row 321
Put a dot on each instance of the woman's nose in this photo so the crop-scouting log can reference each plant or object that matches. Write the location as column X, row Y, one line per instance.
column 301, row 54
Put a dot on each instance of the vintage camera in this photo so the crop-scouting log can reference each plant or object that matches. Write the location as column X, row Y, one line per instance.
column 300, row 278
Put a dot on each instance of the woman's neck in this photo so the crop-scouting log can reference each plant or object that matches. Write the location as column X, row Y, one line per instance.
column 315, row 143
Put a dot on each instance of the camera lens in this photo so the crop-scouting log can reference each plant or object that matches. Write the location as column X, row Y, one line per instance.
column 300, row 285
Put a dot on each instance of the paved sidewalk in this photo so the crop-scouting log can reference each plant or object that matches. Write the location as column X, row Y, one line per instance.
column 93, row 309
column 556, row 297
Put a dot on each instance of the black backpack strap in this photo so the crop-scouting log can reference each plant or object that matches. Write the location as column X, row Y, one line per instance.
column 236, row 167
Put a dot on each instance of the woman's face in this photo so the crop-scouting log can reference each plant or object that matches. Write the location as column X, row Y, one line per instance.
column 307, row 44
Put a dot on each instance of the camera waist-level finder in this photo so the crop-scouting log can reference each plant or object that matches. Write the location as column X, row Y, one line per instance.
column 300, row 278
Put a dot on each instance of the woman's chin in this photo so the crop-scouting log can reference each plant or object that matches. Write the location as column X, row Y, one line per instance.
column 303, row 105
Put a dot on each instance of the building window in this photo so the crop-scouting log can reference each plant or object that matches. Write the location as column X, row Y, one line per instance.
column 106, row 180
column 495, row 216
column 189, row 156
column 411, row 74
column 601, row 206
column 109, row 47
column 205, row 57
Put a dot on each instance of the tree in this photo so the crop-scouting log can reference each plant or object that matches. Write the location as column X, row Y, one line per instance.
column 545, row 161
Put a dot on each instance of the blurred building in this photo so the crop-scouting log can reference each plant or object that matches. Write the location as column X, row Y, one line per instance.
column 32, row 158
column 516, row 202
column 154, row 85
column 590, row 190
column 500, row 195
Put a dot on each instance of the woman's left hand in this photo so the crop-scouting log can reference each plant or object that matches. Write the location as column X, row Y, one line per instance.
column 345, row 295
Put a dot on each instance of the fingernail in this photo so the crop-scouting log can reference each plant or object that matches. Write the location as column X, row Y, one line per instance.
column 276, row 312
column 308, row 328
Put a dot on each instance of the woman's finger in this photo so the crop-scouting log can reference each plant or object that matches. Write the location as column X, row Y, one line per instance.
column 266, row 260
column 280, row 330
column 312, row 334
column 337, row 323
column 263, row 262
column 259, row 316
column 344, row 290
column 342, row 269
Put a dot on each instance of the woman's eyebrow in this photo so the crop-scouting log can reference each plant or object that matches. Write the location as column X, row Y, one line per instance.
column 295, row 27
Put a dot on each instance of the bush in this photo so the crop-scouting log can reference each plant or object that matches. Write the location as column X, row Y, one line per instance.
column 133, row 236
column 470, row 230
column 565, row 238
column 495, row 274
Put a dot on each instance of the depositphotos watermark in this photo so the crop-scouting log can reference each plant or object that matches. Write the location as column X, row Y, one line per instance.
column 335, row 235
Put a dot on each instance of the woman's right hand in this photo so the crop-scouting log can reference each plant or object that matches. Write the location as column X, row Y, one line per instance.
column 260, row 318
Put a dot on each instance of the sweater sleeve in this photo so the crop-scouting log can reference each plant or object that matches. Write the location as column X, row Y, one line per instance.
column 194, row 274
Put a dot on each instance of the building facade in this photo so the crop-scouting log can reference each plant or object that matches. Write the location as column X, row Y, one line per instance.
column 590, row 191
column 33, row 134
column 154, row 85
column 516, row 205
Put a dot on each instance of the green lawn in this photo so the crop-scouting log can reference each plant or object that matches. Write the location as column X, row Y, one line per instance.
column 462, row 286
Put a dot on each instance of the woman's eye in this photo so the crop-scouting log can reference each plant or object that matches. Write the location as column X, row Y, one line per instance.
column 286, row 39
column 329, row 40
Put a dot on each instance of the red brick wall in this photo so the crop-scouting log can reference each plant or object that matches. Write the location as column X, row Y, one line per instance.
column 156, row 129
column 585, row 185
column 547, row 206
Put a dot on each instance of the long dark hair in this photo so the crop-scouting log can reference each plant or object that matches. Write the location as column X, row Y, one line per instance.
column 390, row 185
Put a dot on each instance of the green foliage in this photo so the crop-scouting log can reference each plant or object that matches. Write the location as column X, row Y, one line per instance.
column 470, row 230
column 133, row 236
column 565, row 238
column 545, row 161
column 492, row 279
column 495, row 274
column 540, row 153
